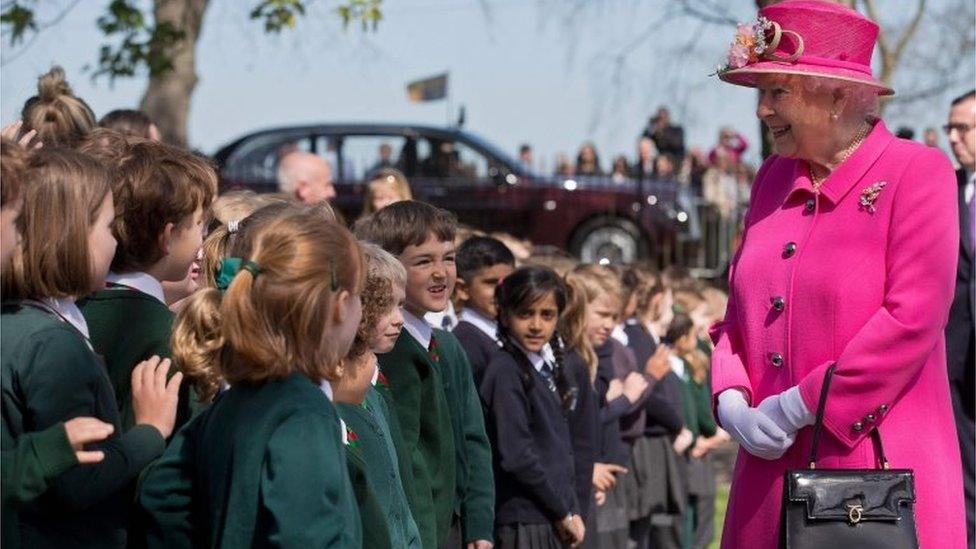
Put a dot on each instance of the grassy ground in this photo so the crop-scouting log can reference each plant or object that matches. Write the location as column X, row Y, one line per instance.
column 721, row 501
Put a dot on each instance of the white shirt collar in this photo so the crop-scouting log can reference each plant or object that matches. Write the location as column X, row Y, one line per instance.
column 445, row 320
column 677, row 366
column 376, row 372
column 538, row 359
column 141, row 281
column 481, row 322
column 326, row 388
column 652, row 330
column 65, row 307
column 418, row 328
column 620, row 335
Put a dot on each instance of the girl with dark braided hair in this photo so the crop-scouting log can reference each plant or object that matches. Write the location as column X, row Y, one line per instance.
column 528, row 400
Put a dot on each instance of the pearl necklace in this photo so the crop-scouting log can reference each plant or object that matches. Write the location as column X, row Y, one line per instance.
column 816, row 180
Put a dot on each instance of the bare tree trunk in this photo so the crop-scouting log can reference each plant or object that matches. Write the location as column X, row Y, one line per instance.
column 167, row 97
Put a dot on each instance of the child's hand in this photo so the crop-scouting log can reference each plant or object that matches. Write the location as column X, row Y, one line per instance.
column 604, row 475
column 614, row 390
column 600, row 497
column 81, row 431
column 153, row 399
column 634, row 386
column 11, row 130
column 683, row 441
column 658, row 366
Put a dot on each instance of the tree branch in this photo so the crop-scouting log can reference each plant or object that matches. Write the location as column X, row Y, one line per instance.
column 909, row 31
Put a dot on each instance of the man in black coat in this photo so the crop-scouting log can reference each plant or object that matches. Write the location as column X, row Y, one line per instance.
column 961, row 130
column 669, row 138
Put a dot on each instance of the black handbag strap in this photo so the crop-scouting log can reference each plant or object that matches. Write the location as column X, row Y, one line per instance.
column 818, row 424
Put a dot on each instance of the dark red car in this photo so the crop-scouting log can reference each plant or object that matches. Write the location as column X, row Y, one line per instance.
column 594, row 218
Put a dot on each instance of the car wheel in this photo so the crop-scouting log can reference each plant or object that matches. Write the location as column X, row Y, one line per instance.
column 609, row 240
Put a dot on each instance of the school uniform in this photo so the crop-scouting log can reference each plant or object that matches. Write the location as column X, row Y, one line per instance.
column 414, row 384
column 610, row 525
column 50, row 374
column 264, row 465
column 33, row 461
column 475, row 511
column 532, row 451
column 478, row 335
column 374, row 449
column 130, row 322
column 640, row 339
column 374, row 525
column 584, row 429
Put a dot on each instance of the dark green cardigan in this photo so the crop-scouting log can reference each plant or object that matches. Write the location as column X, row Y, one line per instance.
column 375, row 447
column 262, row 466
column 128, row 326
column 416, row 392
column 51, row 375
column 475, row 481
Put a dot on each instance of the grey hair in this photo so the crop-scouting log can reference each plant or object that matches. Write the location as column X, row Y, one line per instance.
column 863, row 103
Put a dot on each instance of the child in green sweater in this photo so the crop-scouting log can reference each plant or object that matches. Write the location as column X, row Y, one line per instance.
column 372, row 454
column 265, row 465
column 50, row 374
column 162, row 195
column 430, row 384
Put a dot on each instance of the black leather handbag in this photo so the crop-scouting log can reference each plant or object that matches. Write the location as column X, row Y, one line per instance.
column 842, row 508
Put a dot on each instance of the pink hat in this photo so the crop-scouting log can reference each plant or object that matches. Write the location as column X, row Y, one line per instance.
column 805, row 37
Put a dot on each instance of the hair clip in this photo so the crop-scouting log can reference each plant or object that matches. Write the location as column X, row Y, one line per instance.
column 253, row 268
column 226, row 271
column 335, row 276
column 233, row 226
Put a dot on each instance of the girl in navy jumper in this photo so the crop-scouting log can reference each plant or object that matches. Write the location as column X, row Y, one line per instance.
column 527, row 397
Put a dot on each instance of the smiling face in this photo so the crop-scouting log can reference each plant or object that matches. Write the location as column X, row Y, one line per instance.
column 601, row 317
column 388, row 326
column 183, row 246
column 799, row 119
column 532, row 326
column 431, row 273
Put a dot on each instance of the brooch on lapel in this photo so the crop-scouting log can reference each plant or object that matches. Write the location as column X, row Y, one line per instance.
column 870, row 194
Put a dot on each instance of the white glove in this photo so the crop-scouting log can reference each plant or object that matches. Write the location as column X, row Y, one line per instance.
column 788, row 410
column 755, row 431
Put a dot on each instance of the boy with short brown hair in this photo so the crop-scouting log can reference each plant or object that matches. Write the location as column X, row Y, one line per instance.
column 430, row 384
column 162, row 195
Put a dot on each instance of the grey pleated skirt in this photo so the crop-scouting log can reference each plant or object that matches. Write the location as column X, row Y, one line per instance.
column 527, row 536
column 656, row 483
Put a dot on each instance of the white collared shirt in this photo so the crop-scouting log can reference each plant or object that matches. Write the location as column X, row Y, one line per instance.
column 481, row 322
column 327, row 389
column 141, row 281
column 677, row 366
column 445, row 320
column 620, row 335
column 66, row 308
column 969, row 189
column 418, row 328
column 538, row 359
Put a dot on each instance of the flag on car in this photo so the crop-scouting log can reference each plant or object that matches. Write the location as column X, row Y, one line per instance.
column 428, row 89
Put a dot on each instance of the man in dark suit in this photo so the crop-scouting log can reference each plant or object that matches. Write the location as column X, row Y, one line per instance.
column 961, row 130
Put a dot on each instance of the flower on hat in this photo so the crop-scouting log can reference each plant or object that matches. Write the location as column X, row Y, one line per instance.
column 748, row 45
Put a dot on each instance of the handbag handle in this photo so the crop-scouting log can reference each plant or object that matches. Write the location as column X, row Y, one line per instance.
column 818, row 425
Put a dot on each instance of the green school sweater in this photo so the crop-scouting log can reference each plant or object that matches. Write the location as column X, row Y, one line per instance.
column 128, row 326
column 263, row 466
column 415, row 388
column 376, row 529
column 475, row 481
column 49, row 375
column 375, row 448
column 697, row 400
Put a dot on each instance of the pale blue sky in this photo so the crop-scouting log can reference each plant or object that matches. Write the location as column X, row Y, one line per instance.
column 525, row 70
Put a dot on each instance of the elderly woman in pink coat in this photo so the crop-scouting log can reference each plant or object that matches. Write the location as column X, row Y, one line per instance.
column 848, row 257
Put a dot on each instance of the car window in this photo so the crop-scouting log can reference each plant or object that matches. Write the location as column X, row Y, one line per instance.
column 365, row 154
column 450, row 159
column 255, row 163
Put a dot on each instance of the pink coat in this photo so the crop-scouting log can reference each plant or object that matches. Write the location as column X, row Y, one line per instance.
column 867, row 290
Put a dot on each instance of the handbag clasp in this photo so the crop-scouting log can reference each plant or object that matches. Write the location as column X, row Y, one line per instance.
column 854, row 513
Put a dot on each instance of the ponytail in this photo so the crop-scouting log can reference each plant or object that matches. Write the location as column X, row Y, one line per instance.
column 197, row 342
